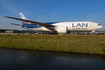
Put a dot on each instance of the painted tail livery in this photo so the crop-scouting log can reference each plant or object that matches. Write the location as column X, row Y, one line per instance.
column 23, row 17
column 59, row 27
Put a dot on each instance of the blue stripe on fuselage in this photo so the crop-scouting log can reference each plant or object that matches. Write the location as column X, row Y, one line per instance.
column 35, row 25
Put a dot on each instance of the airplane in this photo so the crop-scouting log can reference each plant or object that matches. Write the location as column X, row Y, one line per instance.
column 56, row 27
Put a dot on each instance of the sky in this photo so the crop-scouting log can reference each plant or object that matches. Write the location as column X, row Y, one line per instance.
column 52, row 11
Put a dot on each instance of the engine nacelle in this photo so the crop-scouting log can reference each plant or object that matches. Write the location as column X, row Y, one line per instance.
column 61, row 29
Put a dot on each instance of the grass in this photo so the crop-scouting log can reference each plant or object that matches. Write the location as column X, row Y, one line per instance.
column 67, row 43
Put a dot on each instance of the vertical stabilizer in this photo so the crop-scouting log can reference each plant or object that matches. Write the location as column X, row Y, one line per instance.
column 23, row 17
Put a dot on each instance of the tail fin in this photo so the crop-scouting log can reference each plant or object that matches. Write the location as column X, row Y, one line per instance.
column 23, row 17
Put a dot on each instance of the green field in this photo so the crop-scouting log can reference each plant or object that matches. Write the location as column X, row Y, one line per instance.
column 67, row 43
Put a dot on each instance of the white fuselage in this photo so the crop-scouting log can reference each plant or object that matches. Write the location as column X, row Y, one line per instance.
column 75, row 26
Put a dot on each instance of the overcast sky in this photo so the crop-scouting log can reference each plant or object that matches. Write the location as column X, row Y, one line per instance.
column 52, row 11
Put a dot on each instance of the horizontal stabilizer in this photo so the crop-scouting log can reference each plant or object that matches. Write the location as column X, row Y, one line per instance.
column 17, row 24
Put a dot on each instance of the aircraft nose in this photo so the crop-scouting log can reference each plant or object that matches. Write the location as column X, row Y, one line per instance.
column 101, row 26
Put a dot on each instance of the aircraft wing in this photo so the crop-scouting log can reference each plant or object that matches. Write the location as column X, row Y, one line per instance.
column 32, row 22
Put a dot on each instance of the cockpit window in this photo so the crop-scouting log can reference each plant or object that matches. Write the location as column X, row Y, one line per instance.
column 99, row 24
